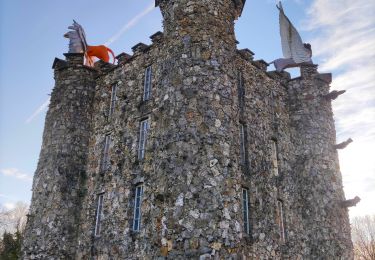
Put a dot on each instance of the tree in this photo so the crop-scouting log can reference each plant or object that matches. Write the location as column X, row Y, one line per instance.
column 12, row 225
column 11, row 246
column 363, row 234
column 13, row 219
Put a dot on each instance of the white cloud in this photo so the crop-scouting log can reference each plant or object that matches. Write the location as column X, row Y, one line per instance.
column 344, row 44
column 9, row 205
column 39, row 110
column 133, row 22
column 16, row 173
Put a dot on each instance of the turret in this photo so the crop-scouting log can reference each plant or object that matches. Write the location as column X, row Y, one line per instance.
column 58, row 181
column 316, row 168
column 207, row 21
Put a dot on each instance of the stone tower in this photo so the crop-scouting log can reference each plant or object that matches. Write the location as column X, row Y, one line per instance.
column 57, row 187
column 188, row 149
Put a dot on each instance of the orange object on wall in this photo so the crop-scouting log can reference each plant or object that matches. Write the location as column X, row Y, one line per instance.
column 100, row 52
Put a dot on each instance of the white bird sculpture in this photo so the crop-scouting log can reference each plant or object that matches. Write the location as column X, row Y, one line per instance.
column 296, row 53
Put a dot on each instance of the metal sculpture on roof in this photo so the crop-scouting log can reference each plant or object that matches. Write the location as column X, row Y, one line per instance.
column 78, row 44
column 296, row 53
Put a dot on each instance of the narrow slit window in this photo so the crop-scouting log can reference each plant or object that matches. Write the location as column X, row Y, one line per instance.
column 243, row 144
column 241, row 91
column 147, row 84
column 105, row 160
column 275, row 166
column 113, row 100
column 99, row 212
column 144, row 127
column 245, row 210
column 280, row 216
column 137, row 207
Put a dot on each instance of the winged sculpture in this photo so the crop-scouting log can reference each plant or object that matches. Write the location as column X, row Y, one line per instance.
column 78, row 44
column 295, row 52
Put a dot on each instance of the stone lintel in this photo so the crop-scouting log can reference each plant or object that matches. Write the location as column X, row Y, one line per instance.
column 74, row 58
column 156, row 36
column 261, row 64
column 140, row 47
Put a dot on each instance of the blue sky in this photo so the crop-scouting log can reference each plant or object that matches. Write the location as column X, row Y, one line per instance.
column 342, row 34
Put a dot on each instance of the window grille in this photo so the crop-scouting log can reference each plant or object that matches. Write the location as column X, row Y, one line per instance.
column 113, row 100
column 243, row 144
column 245, row 209
column 144, row 127
column 280, row 216
column 137, row 207
column 99, row 216
column 275, row 166
column 147, row 84
column 241, row 92
column 105, row 160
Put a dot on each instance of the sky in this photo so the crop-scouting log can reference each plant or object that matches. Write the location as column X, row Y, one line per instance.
column 342, row 34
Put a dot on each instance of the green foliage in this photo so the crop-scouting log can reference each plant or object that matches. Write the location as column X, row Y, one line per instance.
column 10, row 248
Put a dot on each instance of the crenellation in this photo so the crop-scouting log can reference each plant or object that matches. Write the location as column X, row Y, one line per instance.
column 140, row 47
column 152, row 157
column 261, row 64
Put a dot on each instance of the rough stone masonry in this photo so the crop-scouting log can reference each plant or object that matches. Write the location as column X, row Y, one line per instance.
column 188, row 149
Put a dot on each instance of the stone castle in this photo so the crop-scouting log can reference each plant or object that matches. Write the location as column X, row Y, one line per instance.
column 188, row 149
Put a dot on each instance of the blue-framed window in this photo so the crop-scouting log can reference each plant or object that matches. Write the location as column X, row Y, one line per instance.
column 99, row 214
column 144, row 127
column 147, row 84
column 137, row 207
column 113, row 99
column 105, row 159
column 245, row 210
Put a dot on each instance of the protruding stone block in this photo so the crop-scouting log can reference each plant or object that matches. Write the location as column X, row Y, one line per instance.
column 156, row 36
column 140, row 47
column 246, row 54
column 74, row 58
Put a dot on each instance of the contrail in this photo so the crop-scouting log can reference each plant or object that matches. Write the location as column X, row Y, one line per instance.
column 40, row 109
column 130, row 24
column 114, row 38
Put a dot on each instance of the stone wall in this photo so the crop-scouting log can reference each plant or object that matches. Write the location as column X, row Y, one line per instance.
column 203, row 91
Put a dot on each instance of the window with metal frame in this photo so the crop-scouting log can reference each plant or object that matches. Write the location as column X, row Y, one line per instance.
column 245, row 210
column 137, row 207
column 241, row 91
column 280, row 220
column 144, row 127
column 113, row 99
column 147, row 84
column 275, row 165
column 243, row 149
column 105, row 159
column 99, row 214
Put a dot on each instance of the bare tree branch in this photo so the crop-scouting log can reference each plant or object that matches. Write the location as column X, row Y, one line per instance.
column 363, row 234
